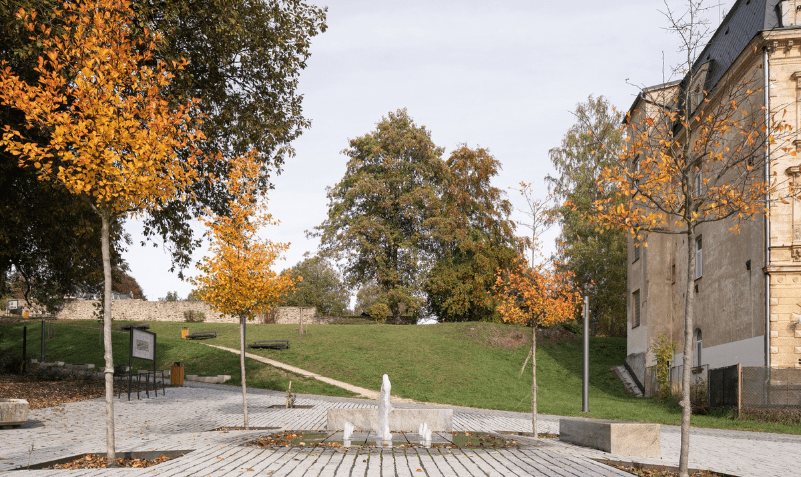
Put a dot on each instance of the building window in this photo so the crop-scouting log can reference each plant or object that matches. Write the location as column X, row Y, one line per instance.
column 699, row 258
column 699, row 182
column 698, row 347
column 635, row 166
column 636, row 250
column 635, row 300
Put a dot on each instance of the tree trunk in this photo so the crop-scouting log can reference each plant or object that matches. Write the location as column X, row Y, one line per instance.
column 534, row 380
column 111, row 456
column 242, row 367
column 684, row 455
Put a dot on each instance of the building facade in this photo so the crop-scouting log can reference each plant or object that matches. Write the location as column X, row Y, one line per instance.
column 748, row 285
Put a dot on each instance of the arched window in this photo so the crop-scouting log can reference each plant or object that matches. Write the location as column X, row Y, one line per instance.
column 698, row 347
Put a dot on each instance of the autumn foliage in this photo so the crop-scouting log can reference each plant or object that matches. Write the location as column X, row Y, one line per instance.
column 96, row 122
column 238, row 279
column 113, row 136
column 540, row 295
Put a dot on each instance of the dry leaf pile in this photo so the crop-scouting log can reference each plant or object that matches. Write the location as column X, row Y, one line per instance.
column 97, row 461
column 43, row 391
column 661, row 473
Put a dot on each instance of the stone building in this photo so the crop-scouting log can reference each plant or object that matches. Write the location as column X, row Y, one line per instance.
column 748, row 288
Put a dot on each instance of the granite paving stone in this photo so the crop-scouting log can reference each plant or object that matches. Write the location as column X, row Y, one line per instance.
column 185, row 417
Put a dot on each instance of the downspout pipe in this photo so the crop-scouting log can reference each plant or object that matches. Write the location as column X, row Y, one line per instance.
column 766, row 69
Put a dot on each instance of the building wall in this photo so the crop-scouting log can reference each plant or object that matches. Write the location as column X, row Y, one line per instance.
column 785, row 227
column 729, row 301
column 140, row 310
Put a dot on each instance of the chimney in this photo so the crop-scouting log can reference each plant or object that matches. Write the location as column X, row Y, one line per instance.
column 787, row 11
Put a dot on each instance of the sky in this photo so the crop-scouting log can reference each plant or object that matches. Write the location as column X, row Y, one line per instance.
column 502, row 75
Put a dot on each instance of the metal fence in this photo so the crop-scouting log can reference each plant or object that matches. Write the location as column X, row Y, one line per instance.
column 724, row 386
column 772, row 388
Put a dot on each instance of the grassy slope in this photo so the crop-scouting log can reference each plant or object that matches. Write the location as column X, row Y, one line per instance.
column 78, row 342
column 457, row 364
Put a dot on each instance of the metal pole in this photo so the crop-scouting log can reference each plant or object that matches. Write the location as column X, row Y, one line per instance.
column 43, row 344
column 24, row 348
column 585, row 388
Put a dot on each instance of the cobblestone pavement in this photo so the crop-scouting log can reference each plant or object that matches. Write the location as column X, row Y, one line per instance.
column 184, row 418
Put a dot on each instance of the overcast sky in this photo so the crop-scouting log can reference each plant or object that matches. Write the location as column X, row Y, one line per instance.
column 502, row 75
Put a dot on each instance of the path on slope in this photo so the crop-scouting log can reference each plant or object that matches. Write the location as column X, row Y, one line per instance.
column 362, row 392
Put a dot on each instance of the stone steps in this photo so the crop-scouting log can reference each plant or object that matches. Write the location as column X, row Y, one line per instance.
column 624, row 376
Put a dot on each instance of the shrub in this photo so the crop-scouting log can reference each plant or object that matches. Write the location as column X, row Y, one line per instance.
column 194, row 316
column 379, row 312
column 664, row 349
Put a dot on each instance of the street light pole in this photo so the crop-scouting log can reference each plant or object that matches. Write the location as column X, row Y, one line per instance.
column 585, row 388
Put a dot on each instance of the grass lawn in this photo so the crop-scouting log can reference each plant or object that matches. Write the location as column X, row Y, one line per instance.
column 465, row 364
column 78, row 342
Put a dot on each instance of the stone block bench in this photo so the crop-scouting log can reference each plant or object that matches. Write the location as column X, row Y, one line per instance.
column 400, row 420
column 13, row 412
column 616, row 437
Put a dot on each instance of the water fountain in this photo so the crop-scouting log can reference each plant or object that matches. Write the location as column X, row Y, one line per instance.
column 384, row 408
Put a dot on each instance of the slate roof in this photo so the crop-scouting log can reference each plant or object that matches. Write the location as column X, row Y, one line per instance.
column 744, row 21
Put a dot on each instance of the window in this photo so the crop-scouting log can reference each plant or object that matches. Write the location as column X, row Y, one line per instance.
column 635, row 300
column 699, row 258
column 636, row 250
column 698, row 183
column 635, row 166
column 698, row 347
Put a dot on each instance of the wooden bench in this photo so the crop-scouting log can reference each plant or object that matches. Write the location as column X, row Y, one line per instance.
column 139, row 326
column 201, row 335
column 273, row 344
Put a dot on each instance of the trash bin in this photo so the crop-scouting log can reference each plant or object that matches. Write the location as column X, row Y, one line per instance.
column 184, row 332
column 177, row 374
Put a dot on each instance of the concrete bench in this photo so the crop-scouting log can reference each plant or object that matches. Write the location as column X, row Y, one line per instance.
column 274, row 344
column 616, row 437
column 201, row 335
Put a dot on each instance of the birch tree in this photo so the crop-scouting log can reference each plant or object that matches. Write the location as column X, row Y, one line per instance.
column 691, row 157
column 113, row 138
column 535, row 295
column 238, row 279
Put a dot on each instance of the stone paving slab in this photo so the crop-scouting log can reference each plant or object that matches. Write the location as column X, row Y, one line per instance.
column 184, row 418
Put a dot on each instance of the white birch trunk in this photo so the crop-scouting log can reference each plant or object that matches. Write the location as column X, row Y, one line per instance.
column 534, row 380
column 684, row 455
column 242, row 367
column 109, row 357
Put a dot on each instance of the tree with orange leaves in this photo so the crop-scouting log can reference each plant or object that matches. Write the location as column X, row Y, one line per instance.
column 693, row 157
column 537, row 295
column 113, row 137
column 238, row 279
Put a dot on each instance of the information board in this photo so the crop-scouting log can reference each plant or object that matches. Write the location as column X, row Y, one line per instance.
column 143, row 344
column 12, row 304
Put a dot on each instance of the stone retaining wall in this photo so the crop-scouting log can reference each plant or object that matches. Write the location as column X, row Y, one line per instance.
column 140, row 310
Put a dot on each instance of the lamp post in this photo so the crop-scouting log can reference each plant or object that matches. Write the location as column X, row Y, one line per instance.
column 585, row 385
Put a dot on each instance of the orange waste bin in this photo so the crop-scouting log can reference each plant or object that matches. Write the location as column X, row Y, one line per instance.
column 177, row 374
column 184, row 332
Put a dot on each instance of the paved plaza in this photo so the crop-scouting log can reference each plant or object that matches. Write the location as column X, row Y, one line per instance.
column 185, row 417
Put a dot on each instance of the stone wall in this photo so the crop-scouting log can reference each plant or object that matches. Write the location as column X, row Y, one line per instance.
column 140, row 310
